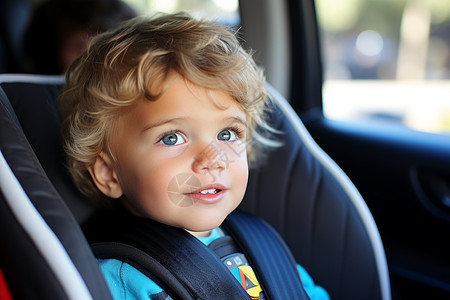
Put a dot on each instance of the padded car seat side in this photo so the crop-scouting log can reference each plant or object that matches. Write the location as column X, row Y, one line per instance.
column 323, row 218
column 43, row 251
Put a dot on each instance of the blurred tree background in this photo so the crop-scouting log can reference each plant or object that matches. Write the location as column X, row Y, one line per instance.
column 389, row 39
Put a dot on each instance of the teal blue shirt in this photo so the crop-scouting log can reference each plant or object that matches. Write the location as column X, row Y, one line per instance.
column 126, row 282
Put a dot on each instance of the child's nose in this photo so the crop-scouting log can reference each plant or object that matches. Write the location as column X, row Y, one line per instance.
column 209, row 160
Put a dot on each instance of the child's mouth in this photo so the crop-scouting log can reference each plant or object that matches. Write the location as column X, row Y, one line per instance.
column 209, row 195
column 210, row 191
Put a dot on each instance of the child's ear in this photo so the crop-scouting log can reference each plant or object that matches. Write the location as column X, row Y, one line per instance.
column 105, row 177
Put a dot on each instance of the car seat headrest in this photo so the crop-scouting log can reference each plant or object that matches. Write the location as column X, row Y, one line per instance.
column 40, row 123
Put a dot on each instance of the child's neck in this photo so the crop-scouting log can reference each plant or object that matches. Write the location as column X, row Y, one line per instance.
column 200, row 233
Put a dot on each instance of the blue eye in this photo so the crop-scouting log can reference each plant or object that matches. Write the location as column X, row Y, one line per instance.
column 227, row 135
column 172, row 139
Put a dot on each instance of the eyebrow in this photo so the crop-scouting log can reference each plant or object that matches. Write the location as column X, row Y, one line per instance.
column 233, row 119
column 238, row 120
column 160, row 123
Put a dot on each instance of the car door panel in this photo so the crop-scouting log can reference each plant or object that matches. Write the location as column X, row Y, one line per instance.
column 404, row 176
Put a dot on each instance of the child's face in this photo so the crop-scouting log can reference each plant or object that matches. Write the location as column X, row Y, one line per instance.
column 181, row 159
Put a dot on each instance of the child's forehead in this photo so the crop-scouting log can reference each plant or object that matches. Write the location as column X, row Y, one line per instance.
column 182, row 103
column 157, row 89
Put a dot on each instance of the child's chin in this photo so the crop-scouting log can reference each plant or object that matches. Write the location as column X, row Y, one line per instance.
column 204, row 224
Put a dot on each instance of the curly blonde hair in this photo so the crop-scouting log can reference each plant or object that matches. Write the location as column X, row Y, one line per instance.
column 120, row 65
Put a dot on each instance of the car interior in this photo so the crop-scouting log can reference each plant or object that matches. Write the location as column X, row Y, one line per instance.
column 340, row 234
column 362, row 207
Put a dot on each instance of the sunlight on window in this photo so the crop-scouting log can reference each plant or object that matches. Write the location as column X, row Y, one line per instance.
column 369, row 43
column 413, row 42
column 166, row 5
column 389, row 59
column 368, row 48
column 225, row 11
column 227, row 5
column 337, row 14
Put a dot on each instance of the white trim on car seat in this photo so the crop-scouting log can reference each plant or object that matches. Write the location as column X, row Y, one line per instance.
column 31, row 78
column 347, row 185
column 40, row 233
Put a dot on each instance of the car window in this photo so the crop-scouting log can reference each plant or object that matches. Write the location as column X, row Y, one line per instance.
column 387, row 60
column 225, row 11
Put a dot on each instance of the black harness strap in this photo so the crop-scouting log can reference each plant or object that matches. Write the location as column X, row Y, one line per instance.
column 268, row 254
column 188, row 260
column 145, row 264
column 186, row 269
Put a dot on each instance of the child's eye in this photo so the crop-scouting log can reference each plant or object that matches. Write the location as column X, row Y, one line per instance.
column 227, row 135
column 172, row 138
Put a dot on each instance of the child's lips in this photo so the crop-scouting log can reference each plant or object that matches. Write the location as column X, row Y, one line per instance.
column 209, row 191
column 209, row 194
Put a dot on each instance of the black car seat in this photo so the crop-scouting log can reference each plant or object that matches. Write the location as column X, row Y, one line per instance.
column 299, row 190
